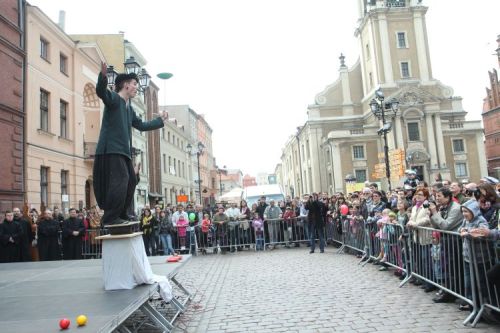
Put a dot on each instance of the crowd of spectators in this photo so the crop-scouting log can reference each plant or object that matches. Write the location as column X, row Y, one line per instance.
column 47, row 236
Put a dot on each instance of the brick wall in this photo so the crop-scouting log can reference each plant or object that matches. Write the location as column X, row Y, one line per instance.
column 12, row 58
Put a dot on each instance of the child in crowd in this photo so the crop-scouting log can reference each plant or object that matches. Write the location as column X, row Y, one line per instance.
column 472, row 220
column 436, row 257
column 288, row 218
column 258, row 226
column 355, row 225
column 182, row 225
column 402, row 218
column 382, row 234
column 391, row 242
column 205, row 228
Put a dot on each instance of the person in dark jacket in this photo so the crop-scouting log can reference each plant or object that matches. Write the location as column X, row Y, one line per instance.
column 10, row 239
column 316, row 218
column 48, row 232
column 72, row 232
column 114, row 176
column 26, row 235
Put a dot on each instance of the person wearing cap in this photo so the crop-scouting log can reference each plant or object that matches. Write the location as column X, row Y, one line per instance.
column 114, row 175
column 490, row 180
column 411, row 179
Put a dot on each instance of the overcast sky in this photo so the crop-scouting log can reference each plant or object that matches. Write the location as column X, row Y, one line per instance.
column 253, row 66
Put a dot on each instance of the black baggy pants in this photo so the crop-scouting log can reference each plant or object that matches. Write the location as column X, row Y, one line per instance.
column 114, row 186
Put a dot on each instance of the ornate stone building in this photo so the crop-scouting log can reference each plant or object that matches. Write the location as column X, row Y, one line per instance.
column 491, row 120
column 341, row 136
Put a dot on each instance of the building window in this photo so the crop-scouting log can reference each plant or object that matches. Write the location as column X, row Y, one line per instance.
column 308, row 151
column 63, row 63
column 458, row 146
column 401, row 40
column 413, row 132
column 44, row 185
column 360, row 176
column 461, row 169
column 63, row 114
column 405, row 69
column 370, row 77
column 173, row 140
column 175, row 167
column 367, row 51
column 44, row 49
column 44, row 110
column 183, row 170
column 164, row 163
column 168, row 136
column 64, row 182
column 163, row 133
column 170, row 165
column 179, row 168
column 358, row 152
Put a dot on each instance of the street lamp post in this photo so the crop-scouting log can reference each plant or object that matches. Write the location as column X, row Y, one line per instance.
column 131, row 66
column 220, row 172
column 198, row 153
column 379, row 108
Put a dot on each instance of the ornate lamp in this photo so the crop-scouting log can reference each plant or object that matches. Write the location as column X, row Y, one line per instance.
column 132, row 66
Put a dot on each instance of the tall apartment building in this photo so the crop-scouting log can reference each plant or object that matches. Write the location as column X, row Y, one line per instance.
column 63, row 112
column 198, row 131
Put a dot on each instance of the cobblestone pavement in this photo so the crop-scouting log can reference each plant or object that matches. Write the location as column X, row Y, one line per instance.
column 290, row 290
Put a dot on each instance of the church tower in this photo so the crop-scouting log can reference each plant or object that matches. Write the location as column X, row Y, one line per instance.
column 393, row 42
column 342, row 142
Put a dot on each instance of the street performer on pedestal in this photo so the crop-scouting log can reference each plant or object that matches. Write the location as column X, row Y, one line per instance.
column 114, row 175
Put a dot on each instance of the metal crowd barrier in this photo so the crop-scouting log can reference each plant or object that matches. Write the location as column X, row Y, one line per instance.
column 353, row 234
column 91, row 247
column 436, row 258
column 485, row 272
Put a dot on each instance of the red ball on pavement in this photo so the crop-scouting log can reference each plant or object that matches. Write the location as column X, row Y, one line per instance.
column 64, row 323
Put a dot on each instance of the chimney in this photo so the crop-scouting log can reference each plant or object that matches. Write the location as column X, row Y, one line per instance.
column 62, row 20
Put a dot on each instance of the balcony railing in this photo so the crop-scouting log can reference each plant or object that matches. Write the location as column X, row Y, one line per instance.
column 89, row 150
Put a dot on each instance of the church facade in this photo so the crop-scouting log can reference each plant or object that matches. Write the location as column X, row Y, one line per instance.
column 340, row 140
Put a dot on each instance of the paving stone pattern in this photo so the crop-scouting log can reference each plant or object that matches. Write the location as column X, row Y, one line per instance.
column 290, row 290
